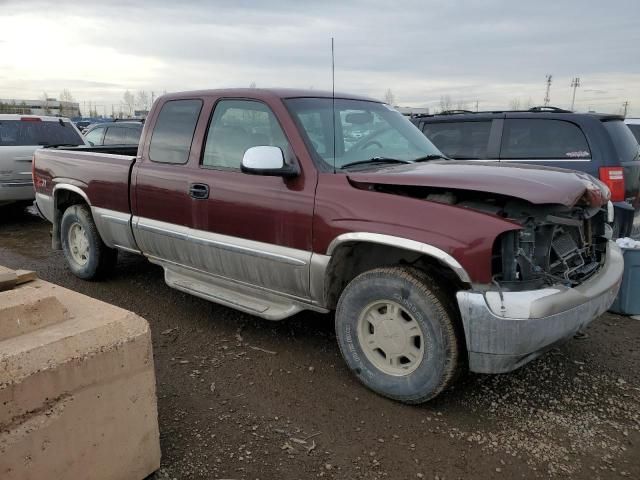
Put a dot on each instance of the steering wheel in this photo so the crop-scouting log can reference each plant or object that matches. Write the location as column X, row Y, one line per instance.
column 370, row 143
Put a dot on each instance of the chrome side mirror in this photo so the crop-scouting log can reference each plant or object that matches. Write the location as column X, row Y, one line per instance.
column 267, row 160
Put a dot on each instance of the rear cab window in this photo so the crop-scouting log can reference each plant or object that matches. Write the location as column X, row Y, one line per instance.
column 173, row 132
column 543, row 139
column 460, row 140
column 34, row 132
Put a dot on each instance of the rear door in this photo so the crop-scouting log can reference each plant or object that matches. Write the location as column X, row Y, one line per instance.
column 162, row 207
column 249, row 228
column 550, row 142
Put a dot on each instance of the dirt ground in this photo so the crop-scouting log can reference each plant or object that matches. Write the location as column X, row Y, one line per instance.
column 244, row 398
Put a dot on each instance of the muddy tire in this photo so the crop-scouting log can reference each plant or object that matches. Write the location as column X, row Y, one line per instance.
column 86, row 254
column 397, row 333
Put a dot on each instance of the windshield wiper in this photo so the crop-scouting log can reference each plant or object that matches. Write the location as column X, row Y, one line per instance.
column 375, row 160
column 426, row 158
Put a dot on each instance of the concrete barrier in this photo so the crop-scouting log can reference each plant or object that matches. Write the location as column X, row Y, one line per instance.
column 77, row 388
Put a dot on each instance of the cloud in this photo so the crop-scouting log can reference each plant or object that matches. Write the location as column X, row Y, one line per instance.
column 491, row 51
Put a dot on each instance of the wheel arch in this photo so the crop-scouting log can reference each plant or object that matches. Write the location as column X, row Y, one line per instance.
column 353, row 253
column 64, row 196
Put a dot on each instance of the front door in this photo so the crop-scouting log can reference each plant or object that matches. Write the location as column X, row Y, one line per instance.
column 252, row 229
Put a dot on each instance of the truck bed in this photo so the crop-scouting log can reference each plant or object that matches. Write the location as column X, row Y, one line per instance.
column 100, row 172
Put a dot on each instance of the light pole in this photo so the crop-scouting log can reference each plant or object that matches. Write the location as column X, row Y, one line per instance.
column 575, row 83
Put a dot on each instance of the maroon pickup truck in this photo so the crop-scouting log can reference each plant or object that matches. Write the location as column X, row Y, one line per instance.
column 277, row 201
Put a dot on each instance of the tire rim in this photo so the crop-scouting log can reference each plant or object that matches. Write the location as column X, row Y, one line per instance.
column 78, row 244
column 391, row 338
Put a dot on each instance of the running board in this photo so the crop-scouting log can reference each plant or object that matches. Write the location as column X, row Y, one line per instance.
column 254, row 301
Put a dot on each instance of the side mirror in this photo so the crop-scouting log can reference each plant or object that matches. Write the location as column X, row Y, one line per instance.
column 267, row 160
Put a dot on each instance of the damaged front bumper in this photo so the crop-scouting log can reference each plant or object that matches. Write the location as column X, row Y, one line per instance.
column 504, row 334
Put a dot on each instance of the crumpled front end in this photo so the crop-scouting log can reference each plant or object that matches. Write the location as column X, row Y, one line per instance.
column 506, row 329
column 550, row 278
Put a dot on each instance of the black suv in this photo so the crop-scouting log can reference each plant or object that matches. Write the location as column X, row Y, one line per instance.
column 598, row 144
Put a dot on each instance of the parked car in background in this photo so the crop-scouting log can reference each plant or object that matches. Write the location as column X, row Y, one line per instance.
column 114, row 133
column 254, row 198
column 82, row 124
column 634, row 126
column 598, row 144
column 20, row 136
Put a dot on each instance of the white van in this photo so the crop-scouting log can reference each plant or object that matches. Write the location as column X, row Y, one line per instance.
column 20, row 136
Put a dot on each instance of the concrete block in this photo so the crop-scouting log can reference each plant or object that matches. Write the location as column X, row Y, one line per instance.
column 77, row 388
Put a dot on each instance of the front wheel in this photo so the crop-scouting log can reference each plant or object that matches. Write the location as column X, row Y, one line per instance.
column 397, row 333
column 86, row 254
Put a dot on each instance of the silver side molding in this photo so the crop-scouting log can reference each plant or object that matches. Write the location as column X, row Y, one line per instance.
column 260, row 301
column 115, row 229
column 399, row 242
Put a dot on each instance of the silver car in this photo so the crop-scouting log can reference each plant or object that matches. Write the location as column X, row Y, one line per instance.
column 20, row 136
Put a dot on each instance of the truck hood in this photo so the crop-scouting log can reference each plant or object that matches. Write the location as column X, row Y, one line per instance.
column 535, row 184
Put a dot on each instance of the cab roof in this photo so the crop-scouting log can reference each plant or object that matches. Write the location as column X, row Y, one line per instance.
column 269, row 93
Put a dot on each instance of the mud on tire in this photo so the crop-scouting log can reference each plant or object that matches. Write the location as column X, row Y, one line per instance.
column 397, row 333
column 86, row 254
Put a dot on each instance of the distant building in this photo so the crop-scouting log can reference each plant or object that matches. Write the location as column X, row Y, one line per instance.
column 50, row 106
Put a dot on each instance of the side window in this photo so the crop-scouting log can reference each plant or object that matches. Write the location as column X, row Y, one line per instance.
column 460, row 140
column 173, row 132
column 540, row 139
column 132, row 136
column 236, row 126
column 95, row 136
column 635, row 129
column 114, row 136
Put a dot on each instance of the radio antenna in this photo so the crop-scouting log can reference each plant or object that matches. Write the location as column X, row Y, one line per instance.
column 333, row 102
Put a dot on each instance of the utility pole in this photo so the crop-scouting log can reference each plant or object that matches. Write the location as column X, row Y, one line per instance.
column 575, row 83
column 625, row 105
column 476, row 105
column 546, row 96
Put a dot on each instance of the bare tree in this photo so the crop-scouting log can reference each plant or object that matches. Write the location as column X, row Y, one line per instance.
column 252, row 84
column 445, row 103
column 461, row 105
column 389, row 98
column 129, row 101
column 142, row 100
column 514, row 104
column 45, row 103
column 66, row 103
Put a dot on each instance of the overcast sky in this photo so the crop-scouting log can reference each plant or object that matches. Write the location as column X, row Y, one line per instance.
column 490, row 51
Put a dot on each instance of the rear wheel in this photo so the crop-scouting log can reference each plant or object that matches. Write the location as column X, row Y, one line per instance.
column 86, row 254
column 397, row 333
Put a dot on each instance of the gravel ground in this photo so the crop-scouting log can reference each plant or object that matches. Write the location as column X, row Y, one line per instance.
column 244, row 398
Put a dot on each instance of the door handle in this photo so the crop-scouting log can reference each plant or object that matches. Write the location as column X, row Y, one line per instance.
column 199, row 191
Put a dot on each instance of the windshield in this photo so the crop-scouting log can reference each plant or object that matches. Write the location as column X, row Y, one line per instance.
column 363, row 131
column 20, row 132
